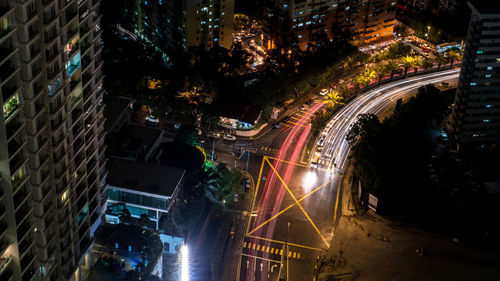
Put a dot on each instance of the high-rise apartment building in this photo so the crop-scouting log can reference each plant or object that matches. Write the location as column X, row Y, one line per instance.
column 435, row 7
column 52, row 188
column 476, row 114
column 180, row 24
column 158, row 22
column 314, row 20
column 209, row 23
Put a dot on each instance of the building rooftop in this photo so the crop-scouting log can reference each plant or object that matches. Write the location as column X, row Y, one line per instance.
column 144, row 177
column 134, row 142
column 244, row 113
column 485, row 7
column 114, row 110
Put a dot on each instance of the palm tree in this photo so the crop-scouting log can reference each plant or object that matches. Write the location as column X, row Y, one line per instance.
column 407, row 62
column 334, row 98
column 381, row 71
column 392, row 67
column 440, row 61
column 343, row 90
column 364, row 78
column 453, row 56
column 417, row 63
column 427, row 64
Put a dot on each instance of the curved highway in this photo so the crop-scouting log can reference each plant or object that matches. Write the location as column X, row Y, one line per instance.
column 336, row 149
column 307, row 228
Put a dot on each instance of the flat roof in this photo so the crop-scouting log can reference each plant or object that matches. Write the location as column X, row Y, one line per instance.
column 133, row 142
column 144, row 177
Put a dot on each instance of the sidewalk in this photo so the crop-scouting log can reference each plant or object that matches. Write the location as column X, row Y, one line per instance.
column 233, row 247
column 367, row 246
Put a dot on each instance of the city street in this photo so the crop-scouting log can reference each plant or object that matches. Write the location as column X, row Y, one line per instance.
column 294, row 205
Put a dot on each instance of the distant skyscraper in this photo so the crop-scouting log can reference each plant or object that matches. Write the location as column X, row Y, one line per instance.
column 51, row 138
column 171, row 24
column 209, row 23
column 158, row 22
column 476, row 115
column 311, row 21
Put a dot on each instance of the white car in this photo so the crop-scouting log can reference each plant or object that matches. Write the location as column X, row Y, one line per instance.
column 152, row 119
column 323, row 92
column 229, row 137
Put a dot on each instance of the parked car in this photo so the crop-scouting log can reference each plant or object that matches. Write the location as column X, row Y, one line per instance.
column 152, row 121
column 323, row 92
column 229, row 137
column 303, row 108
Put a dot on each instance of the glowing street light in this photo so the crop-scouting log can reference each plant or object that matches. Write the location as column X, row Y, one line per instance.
column 184, row 263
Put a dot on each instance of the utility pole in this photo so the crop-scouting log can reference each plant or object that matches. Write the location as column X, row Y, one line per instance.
column 248, row 159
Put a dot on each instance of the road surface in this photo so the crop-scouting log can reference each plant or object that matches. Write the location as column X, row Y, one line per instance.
column 309, row 197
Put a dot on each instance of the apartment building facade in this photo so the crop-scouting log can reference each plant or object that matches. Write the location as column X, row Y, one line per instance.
column 449, row 6
column 209, row 23
column 475, row 120
column 158, row 22
column 312, row 21
column 52, row 187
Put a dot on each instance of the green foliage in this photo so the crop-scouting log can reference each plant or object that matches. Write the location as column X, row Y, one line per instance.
column 187, row 134
column 390, row 155
column 395, row 51
column 319, row 121
column 241, row 22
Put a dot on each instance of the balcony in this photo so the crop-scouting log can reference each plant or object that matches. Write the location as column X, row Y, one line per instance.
column 22, row 213
column 5, row 271
column 12, row 128
column 26, row 261
column 6, row 70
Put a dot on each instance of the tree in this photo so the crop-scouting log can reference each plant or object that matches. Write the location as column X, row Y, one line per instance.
column 125, row 215
column 440, row 61
column 144, row 221
column 392, row 67
column 343, row 90
column 187, row 134
column 453, row 55
column 241, row 21
column 334, row 98
column 381, row 71
column 358, row 129
column 417, row 63
column 364, row 78
column 407, row 62
column 427, row 64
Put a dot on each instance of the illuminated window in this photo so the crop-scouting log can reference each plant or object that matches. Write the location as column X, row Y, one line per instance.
column 489, row 68
column 473, row 83
column 486, row 120
column 488, row 106
column 65, row 196
column 479, row 52
column 488, row 75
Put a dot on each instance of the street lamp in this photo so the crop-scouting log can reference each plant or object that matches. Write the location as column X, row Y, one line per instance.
column 184, row 263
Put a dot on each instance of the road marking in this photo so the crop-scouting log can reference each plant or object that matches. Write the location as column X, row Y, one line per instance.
column 290, row 206
column 244, row 244
column 298, row 204
column 253, row 246
column 258, row 247
column 283, row 242
column 255, row 257
column 267, row 249
column 288, row 162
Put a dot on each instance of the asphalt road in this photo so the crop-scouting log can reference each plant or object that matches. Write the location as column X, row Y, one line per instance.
column 282, row 184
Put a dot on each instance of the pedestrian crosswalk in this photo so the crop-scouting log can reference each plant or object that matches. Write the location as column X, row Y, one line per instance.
column 269, row 149
column 273, row 250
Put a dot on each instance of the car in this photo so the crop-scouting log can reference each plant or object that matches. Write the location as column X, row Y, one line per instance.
column 277, row 125
column 323, row 92
column 303, row 108
column 229, row 137
column 152, row 119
